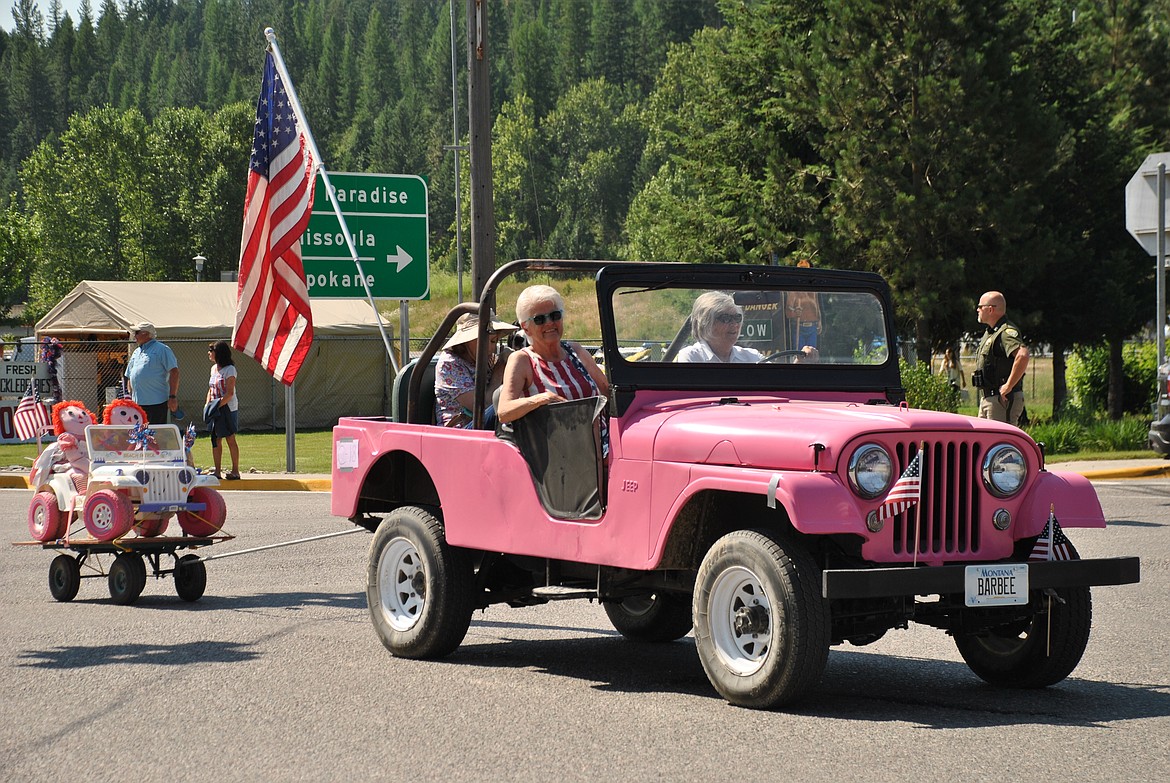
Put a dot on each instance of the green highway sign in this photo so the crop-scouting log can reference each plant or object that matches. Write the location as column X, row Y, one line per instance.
column 387, row 218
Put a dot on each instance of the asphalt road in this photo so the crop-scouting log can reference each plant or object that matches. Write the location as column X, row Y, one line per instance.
column 276, row 674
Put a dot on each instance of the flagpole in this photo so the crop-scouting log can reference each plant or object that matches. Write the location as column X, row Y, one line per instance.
column 918, row 505
column 319, row 164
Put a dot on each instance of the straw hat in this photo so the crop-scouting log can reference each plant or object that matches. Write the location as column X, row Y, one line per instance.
column 467, row 329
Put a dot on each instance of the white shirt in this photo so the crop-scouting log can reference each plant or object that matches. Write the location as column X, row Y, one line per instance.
column 701, row 352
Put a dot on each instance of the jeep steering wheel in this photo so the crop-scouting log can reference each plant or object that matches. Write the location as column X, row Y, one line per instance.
column 781, row 354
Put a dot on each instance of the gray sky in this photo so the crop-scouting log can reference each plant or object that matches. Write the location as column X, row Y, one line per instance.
column 71, row 6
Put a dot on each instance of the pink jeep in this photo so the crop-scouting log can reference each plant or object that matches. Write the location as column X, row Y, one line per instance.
column 754, row 501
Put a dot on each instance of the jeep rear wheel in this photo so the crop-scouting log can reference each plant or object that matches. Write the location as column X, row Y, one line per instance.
column 419, row 589
column 1043, row 651
column 761, row 626
column 655, row 617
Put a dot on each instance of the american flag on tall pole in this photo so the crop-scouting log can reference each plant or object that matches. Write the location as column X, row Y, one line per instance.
column 274, row 322
column 907, row 490
column 1052, row 544
column 31, row 416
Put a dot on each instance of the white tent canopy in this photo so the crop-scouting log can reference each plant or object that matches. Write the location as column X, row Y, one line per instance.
column 181, row 310
column 340, row 377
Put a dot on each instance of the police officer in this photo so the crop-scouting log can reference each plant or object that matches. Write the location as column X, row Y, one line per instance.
column 1001, row 362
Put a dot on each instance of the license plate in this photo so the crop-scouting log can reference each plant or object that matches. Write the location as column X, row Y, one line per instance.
column 997, row 585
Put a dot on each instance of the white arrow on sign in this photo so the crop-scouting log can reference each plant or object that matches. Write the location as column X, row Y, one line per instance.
column 400, row 257
column 1141, row 202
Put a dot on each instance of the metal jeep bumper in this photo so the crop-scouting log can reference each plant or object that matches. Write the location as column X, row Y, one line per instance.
column 943, row 580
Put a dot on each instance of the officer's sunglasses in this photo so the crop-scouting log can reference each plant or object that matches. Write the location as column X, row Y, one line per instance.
column 539, row 320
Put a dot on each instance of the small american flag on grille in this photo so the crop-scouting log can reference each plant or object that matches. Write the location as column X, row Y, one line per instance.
column 907, row 490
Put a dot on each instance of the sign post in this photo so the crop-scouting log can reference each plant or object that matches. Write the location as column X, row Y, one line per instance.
column 1145, row 219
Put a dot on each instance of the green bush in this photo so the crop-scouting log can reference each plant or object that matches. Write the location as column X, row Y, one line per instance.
column 927, row 391
column 1059, row 437
column 1128, row 434
column 1088, row 377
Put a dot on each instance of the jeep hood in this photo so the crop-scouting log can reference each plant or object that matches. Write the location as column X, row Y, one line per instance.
column 779, row 434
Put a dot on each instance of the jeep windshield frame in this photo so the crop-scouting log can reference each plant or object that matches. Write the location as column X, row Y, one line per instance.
column 863, row 370
column 881, row 380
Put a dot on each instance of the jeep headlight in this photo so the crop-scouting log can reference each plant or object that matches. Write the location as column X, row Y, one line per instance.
column 870, row 471
column 1004, row 470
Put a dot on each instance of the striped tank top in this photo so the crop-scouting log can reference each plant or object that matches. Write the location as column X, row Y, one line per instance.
column 566, row 377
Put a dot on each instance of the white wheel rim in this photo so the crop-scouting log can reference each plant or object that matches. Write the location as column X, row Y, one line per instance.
column 102, row 516
column 401, row 589
column 738, row 593
column 40, row 514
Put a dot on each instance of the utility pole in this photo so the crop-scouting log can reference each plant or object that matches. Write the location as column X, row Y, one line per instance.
column 483, row 217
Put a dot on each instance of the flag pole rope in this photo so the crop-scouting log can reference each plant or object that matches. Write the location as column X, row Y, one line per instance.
column 319, row 165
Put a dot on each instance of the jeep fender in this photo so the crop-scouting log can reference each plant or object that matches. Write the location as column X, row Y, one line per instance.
column 815, row 503
column 1068, row 495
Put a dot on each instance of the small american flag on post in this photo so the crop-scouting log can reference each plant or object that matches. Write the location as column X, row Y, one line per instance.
column 31, row 416
column 274, row 322
column 1052, row 544
column 907, row 490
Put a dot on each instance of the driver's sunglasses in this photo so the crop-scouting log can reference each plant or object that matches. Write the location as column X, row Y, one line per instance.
column 539, row 320
column 729, row 318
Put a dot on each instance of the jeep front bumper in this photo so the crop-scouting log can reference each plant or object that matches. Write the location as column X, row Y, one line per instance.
column 949, row 579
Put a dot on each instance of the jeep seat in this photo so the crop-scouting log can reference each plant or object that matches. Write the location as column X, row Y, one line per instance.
column 426, row 393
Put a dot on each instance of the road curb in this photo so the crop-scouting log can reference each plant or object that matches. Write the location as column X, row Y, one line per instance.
column 1125, row 473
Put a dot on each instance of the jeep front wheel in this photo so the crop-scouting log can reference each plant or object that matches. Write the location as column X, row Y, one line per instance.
column 654, row 617
column 419, row 589
column 1038, row 653
column 761, row 626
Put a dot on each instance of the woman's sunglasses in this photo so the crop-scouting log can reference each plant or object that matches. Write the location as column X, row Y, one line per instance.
column 539, row 320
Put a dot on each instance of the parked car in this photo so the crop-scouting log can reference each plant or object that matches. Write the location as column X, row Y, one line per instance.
column 750, row 502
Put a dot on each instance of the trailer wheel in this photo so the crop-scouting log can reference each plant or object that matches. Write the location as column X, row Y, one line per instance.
column 190, row 577
column 64, row 578
column 761, row 625
column 108, row 514
column 127, row 578
column 44, row 518
column 207, row 522
column 419, row 590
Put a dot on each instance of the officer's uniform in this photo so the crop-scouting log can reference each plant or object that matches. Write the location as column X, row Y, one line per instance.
column 996, row 352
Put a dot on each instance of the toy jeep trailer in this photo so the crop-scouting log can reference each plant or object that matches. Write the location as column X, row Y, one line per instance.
column 744, row 500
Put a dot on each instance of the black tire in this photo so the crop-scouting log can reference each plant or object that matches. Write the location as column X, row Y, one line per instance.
column 761, row 625
column 655, row 617
column 420, row 591
column 190, row 577
column 1040, row 653
column 64, row 578
column 127, row 578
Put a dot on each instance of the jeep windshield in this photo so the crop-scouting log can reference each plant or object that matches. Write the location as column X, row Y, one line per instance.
column 750, row 328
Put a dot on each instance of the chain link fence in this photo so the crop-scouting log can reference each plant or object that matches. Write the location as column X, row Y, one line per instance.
column 342, row 376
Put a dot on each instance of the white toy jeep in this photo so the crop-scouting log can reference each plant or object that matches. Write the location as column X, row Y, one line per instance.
column 139, row 478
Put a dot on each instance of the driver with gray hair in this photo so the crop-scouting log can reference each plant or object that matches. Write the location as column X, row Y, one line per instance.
column 715, row 321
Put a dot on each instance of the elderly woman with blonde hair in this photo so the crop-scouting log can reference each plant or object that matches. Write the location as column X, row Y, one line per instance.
column 550, row 368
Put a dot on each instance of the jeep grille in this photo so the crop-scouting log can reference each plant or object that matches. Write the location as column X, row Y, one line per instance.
column 942, row 523
column 164, row 487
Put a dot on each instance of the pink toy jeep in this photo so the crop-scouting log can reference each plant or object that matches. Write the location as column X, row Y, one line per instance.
column 756, row 502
